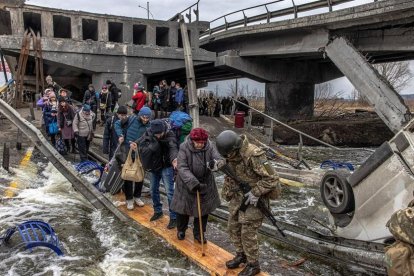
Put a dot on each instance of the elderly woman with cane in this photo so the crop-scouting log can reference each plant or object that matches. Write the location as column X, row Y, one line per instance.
column 196, row 191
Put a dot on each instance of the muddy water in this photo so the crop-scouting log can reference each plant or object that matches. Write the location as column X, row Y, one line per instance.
column 94, row 242
column 97, row 244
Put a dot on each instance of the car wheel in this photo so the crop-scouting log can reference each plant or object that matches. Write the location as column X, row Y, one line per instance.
column 336, row 192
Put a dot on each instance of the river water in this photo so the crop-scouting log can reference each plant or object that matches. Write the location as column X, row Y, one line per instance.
column 95, row 243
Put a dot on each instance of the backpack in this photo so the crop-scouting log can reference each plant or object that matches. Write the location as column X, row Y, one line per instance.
column 181, row 124
column 401, row 225
column 178, row 119
column 399, row 257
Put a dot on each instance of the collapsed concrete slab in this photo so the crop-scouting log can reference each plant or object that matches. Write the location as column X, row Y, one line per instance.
column 388, row 104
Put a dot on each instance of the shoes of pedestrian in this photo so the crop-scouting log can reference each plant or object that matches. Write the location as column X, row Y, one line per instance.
column 172, row 224
column 139, row 202
column 198, row 239
column 156, row 216
column 181, row 235
column 239, row 259
column 130, row 204
column 250, row 269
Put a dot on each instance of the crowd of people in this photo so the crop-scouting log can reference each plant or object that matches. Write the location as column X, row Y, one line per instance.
column 213, row 106
column 173, row 152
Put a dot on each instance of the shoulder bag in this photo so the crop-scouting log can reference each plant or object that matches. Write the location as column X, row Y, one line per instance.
column 132, row 170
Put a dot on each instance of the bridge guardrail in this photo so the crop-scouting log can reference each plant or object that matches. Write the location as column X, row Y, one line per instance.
column 196, row 12
column 268, row 15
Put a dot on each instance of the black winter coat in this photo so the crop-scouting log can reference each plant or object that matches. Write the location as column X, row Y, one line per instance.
column 110, row 138
column 192, row 170
column 157, row 154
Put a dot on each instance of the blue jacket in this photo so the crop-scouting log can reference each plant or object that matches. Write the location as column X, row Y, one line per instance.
column 179, row 96
column 132, row 130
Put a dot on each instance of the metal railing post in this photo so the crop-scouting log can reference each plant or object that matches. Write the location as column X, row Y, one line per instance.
column 300, row 156
column 295, row 9
column 19, row 139
column 6, row 157
column 267, row 14
column 329, row 5
column 250, row 119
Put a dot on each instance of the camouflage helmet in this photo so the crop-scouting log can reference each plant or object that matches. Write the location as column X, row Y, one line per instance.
column 228, row 141
column 401, row 225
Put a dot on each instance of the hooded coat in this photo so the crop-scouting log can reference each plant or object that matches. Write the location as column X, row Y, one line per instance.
column 192, row 170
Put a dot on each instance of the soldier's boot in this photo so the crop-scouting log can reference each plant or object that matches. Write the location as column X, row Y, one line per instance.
column 239, row 259
column 250, row 269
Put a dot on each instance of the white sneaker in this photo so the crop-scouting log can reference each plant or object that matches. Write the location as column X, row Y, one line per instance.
column 138, row 202
column 130, row 204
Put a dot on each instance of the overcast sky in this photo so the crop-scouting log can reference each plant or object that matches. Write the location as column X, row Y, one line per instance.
column 209, row 10
column 165, row 9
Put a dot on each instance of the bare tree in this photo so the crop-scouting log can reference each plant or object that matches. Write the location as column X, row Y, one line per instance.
column 240, row 89
column 398, row 73
column 328, row 102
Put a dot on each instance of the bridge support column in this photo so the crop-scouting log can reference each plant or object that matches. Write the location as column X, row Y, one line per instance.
column 124, row 81
column 289, row 99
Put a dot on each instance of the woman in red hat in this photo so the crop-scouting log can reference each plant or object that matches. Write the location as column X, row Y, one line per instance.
column 194, row 175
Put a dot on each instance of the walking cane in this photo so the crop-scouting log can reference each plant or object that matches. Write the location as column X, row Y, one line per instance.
column 200, row 223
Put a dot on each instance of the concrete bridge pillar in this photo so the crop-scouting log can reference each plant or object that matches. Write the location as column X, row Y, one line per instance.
column 17, row 24
column 289, row 99
column 291, row 94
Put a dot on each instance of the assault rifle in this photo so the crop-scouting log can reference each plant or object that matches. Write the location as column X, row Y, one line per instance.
column 245, row 188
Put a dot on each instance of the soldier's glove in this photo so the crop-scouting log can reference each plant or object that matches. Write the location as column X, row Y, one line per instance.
column 251, row 199
column 215, row 165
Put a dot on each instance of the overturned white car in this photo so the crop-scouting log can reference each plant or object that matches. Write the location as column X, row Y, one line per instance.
column 361, row 203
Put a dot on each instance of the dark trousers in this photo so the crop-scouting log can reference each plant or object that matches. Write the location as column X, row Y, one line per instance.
column 83, row 147
column 132, row 189
column 103, row 113
column 182, row 224
column 72, row 141
column 53, row 139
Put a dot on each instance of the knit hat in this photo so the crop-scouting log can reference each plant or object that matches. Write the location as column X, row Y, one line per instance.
column 199, row 135
column 122, row 110
column 157, row 126
column 108, row 82
column 86, row 108
column 145, row 111
column 138, row 86
column 104, row 87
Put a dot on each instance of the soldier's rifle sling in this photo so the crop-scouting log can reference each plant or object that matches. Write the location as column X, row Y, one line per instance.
column 245, row 188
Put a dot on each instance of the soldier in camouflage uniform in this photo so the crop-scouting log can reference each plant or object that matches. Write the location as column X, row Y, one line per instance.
column 211, row 104
column 251, row 165
column 399, row 257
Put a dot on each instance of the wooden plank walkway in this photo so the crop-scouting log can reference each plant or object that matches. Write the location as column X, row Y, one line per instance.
column 215, row 257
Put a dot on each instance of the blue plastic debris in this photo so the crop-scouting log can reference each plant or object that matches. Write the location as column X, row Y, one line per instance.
column 35, row 233
column 327, row 164
column 86, row 167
